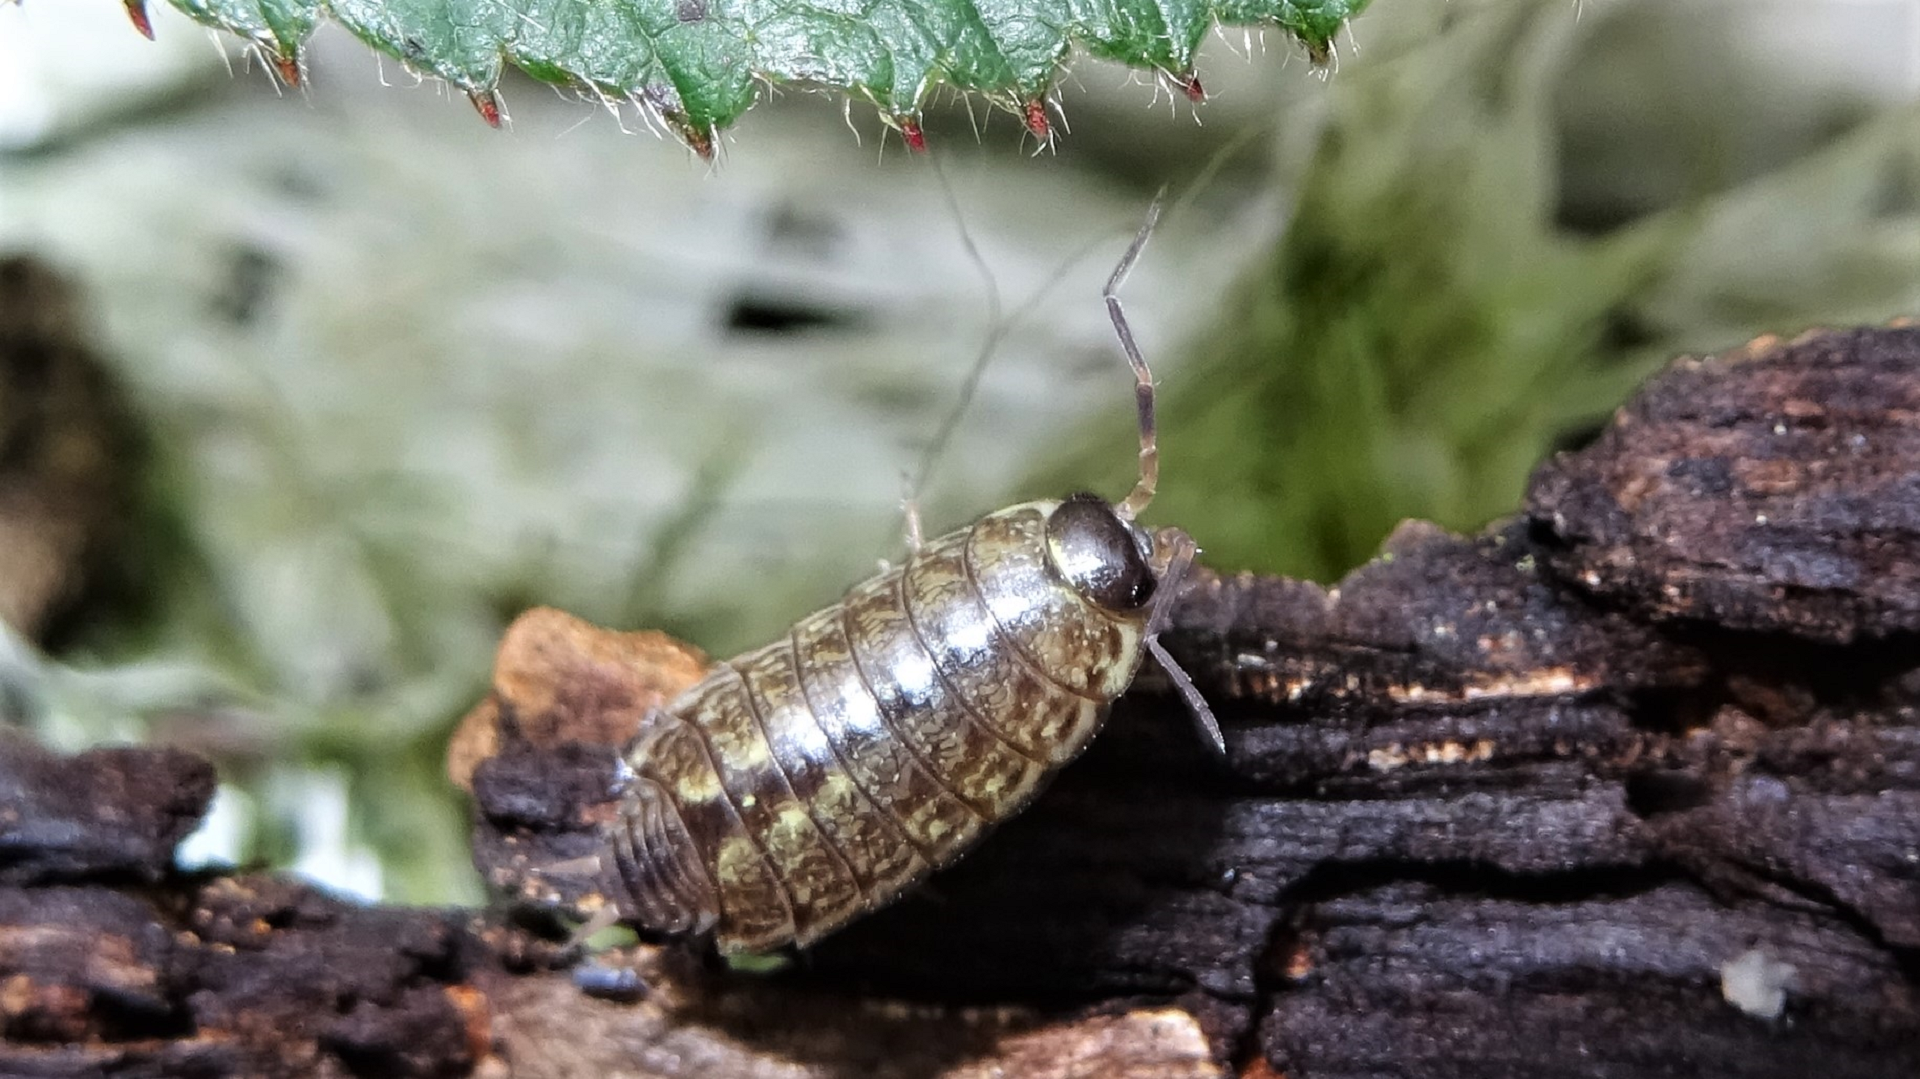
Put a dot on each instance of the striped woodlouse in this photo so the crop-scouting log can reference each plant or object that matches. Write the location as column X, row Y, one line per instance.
column 812, row 780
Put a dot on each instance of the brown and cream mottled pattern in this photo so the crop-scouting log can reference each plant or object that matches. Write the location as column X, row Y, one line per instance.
column 1002, row 685
column 898, row 670
column 876, row 851
column 1079, row 647
column 811, row 780
column 879, row 762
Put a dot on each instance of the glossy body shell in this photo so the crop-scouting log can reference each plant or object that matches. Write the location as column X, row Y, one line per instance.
column 807, row 782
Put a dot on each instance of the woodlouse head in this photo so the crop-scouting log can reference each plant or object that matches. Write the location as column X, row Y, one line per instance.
column 1106, row 558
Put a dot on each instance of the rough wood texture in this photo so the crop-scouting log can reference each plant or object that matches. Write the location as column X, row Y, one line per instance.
column 1774, row 490
column 1544, row 802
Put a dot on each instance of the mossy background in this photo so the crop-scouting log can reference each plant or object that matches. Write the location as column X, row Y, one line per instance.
column 1497, row 231
column 1381, row 292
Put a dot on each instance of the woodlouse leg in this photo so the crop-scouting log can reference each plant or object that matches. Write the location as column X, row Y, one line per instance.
column 590, row 866
column 910, row 507
column 605, row 918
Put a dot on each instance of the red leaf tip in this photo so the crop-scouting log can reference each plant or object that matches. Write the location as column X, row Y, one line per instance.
column 287, row 64
column 1190, row 83
column 487, row 104
column 910, row 131
column 137, row 11
column 698, row 139
column 1036, row 117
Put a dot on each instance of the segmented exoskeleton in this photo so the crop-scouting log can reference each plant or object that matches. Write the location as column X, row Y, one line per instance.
column 809, row 781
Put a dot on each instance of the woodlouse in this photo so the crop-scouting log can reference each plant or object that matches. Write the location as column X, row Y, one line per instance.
column 814, row 779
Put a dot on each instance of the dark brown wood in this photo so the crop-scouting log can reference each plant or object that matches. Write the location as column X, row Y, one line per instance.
column 1774, row 489
column 1538, row 802
column 110, row 812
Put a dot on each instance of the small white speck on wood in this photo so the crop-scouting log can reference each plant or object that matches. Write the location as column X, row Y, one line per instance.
column 1756, row 983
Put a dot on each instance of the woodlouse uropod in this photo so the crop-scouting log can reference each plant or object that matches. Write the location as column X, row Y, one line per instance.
column 814, row 779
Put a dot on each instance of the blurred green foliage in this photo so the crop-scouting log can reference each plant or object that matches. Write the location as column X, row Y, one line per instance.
column 1437, row 317
column 700, row 65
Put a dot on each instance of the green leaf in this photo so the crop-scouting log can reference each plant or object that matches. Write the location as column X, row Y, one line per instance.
column 697, row 63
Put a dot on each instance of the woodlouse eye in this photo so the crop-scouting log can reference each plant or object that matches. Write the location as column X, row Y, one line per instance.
column 1097, row 553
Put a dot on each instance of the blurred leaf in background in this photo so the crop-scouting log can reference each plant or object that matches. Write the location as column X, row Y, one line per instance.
column 1482, row 261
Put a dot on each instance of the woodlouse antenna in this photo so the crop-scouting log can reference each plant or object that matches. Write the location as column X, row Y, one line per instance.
column 1000, row 325
column 1142, row 494
column 997, row 328
column 1179, row 562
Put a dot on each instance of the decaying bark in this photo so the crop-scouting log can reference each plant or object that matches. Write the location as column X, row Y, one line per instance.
column 1627, row 785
